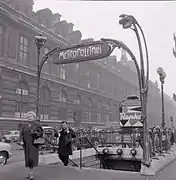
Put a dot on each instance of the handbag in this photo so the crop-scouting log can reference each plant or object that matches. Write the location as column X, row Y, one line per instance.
column 39, row 141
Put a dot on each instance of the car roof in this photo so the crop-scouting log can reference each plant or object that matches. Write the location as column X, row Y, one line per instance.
column 47, row 127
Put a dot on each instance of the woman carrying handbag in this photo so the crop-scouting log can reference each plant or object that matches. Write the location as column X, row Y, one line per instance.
column 31, row 136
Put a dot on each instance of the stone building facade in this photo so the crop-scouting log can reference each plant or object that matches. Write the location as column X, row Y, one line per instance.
column 84, row 94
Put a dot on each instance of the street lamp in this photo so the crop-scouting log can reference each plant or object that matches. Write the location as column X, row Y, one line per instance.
column 172, row 122
column 162, row 76
column 129, row 22
column 39, row 41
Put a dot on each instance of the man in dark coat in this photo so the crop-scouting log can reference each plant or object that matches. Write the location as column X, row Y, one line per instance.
column 65, row 143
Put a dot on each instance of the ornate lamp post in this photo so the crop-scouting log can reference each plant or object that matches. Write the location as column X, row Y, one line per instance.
column 39, row 41
column 129, row 22
column 162, row 76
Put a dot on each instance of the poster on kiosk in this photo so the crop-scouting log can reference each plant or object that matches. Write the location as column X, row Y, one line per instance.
column 130, row 113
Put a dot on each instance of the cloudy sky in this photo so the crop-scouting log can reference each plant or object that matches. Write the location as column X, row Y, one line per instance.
column 100, row 19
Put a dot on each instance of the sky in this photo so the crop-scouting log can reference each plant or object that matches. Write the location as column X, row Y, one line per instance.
column 100, row 20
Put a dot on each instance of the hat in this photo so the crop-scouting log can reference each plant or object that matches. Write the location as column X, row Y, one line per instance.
column 32, row 113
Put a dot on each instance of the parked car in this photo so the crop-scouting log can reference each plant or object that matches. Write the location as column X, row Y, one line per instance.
column 51, row 141
column 11, row 136
column 5, row 152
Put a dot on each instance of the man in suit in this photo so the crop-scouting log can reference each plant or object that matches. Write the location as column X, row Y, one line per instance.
column 65, row 143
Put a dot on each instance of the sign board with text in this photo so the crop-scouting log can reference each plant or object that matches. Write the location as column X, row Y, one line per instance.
column 83, row 52
column 131, row 116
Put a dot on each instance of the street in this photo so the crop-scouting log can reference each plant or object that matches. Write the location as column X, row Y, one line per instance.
column 17, row 171
column 18, row 154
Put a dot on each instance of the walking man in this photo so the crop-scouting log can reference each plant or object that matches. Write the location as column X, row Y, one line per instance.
column 65, row 143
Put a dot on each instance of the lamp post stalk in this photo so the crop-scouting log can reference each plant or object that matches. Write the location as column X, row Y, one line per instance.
column 146, row 156
column 39, row 41
column 162, row 76
column 38, row 83
column 162, row 104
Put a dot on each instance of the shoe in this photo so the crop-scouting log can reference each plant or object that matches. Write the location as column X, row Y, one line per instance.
column 28, row 176
column 31, row 177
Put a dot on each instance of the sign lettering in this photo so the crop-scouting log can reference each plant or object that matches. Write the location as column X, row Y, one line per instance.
column 85, row 52
column 127, row 116
column 80, row 52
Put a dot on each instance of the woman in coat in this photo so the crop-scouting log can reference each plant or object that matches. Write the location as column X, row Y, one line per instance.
column 30, row 132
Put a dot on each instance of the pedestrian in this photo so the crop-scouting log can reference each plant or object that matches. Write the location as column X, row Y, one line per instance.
column 172, row 138
column 30, row 134
column 65, row 142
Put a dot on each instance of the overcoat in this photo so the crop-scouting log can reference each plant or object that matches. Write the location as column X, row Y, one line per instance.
column 29, row 133
column 65, row 142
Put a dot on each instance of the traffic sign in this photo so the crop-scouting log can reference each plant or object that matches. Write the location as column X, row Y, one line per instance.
column 83, row 52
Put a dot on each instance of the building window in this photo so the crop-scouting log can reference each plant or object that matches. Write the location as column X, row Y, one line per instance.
column 62, row 96
column 106, row 107
column 89, row 83
column 23, row 50
column 107, row 117
column 90, row 102
column 46, row 50
column 76, row 68
column 89, row 79
column 63, row 113
column 90, row 116
column 99, row 105
column 45, row 98
column 85, row 116
column 98, row 117
column 22, row 100
column 77, row 100
column 47, row 65
column 12, row 39
column 98, row 80
column 62, row 72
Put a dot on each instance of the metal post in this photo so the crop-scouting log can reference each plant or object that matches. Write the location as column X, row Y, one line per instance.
column 80, row 158
column 162, row 104
column 162, row 76
column 38, row 84
column 39, row 41
column 129, row 21
column 146, row 155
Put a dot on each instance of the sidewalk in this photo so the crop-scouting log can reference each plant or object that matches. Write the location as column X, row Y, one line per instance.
column 158, row 165
column 59, row 172
column 49, row 171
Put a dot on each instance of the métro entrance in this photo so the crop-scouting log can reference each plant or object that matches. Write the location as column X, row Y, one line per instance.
column 130, row 122
column 127, row 152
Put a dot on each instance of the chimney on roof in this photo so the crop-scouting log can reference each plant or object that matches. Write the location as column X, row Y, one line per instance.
column 44, row 17
column 56, row 18
column 123, row 57
column 87, row 40
column 75, row 37
column 70, row 27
